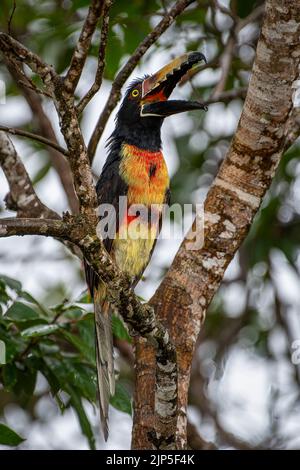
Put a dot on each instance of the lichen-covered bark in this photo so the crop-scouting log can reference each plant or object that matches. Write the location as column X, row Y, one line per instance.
column 80, row 166
column 64, row 102
column 22, row 198
column 82, row 46
column 44, row 125
column 233, row 200
column 101, row 58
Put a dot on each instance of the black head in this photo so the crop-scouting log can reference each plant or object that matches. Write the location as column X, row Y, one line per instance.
column 146, row 103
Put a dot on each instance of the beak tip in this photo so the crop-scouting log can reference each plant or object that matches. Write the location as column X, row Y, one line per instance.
column 180, row 65
column 195, row 57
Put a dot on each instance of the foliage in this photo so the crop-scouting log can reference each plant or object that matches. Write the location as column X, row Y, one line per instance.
column 57, row 342
column 9, row 437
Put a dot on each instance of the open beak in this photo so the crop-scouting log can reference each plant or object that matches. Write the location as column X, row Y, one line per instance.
column 157, row 88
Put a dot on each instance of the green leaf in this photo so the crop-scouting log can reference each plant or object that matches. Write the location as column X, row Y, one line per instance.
column 26, row 296
column 86, row 329
column 39, row 330
column 74, row 312
column 244, row 7
column 21, row 312
column 121, row 399
column 86, row 349
column 48, row 347
column 85, row 425
column 25, row 385
column 85, row 298
column 10, row 376
column 85, row 380
column 12, row 283
column 4, row 297
column 119, row 330
column 50, row 376
column 2, row 352
column 14, row 344
column 9, row 437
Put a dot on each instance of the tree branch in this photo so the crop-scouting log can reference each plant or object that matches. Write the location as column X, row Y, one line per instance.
column 254, row 16
column 126, row 70
column 80, row 165
column 225, row 63
column 224, row 10
column 22, row 196
column 68, row 118
column 101, row 59
column 59, row 163
column 195, row 441
column 227, row 96
column 14, row 50
column 27, row 226
column 82, row 46
column 38, row 138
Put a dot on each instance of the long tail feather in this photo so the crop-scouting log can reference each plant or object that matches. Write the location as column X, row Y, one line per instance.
column 104, row 357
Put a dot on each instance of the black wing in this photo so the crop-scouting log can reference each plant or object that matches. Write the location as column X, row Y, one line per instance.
column 110, row 187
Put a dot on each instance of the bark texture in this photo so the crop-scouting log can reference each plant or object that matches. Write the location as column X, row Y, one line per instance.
column 268, row 125
column 233, row 200
column 21, row 198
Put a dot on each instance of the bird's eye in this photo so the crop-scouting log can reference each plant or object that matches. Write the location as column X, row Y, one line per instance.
column 135, row 93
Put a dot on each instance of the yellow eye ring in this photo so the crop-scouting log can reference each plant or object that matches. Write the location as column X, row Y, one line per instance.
column 135, row 93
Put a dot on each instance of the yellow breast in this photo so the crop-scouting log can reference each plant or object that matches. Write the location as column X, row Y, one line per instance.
column 145, row 173
column 147, row 178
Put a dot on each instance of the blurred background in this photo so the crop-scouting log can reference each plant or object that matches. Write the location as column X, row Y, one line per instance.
column 245, row 386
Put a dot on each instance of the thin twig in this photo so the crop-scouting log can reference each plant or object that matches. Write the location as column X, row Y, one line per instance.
column 11, row 17
column 68, row 119
column 39, row 138
column 29, row 84
column 225, row 62
column 195, row 441
column 83, row 45
column 45, row 128
column 224, row 10
column 255, row 15
column 126, row 70
column 101, row 59
column 227, row 96
column 22, row 77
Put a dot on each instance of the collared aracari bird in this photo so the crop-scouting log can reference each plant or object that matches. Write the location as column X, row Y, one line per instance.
column 135, row 168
